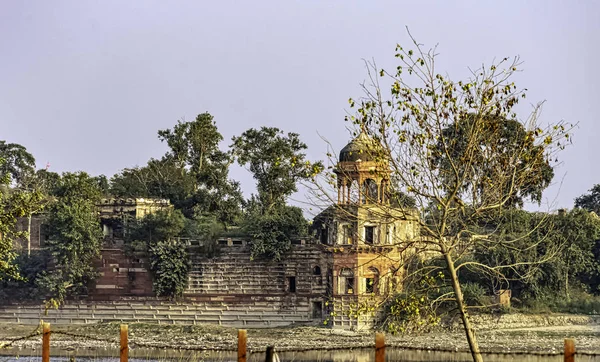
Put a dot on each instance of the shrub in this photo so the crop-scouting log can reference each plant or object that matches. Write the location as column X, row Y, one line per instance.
column 170, row 265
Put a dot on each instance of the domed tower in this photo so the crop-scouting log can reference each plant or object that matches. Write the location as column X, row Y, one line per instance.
column 362, row 172
column 364, row 233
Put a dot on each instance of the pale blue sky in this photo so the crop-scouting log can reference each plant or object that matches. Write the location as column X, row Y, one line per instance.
column 85, row 85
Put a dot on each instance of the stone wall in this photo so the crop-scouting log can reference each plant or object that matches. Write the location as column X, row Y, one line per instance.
column 249, row 314
column 298, row 284
column 121, row 276
column 231, row 285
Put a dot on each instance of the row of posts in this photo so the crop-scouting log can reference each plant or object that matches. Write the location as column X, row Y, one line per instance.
column 569, row 352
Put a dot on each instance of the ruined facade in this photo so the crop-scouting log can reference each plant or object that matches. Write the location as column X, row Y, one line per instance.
column 353, row 258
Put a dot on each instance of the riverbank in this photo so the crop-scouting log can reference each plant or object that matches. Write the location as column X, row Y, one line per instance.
column 509, row 332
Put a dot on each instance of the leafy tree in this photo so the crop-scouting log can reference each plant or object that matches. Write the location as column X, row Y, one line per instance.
column 272, row 233
column 47, row 182
column 26, row 289
column 162, row 225
column 74, row 236
column 169, row 260
column 193, row 174
column 528, row 236
column 10, row 209
column 18, row 163
column 477, row 179
column 16, row 200
column 159, row 178
column 508, row 140
column 195, row 146
column 590, row 201
column 277, row 162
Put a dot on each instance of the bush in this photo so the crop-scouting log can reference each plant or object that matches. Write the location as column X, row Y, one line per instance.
column 32, row 269
column 409, row 313
column 580, row 302
column 272, row 233
column 170, row 265
column 475, row 295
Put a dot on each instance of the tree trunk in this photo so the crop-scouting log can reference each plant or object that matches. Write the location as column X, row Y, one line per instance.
column 567, row 281
column 460, row 303
column 29, row 235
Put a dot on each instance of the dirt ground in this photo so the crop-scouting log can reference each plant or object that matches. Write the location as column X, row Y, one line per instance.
column 514, row 333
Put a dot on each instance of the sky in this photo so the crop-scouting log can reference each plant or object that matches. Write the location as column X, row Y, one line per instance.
column 86, row 85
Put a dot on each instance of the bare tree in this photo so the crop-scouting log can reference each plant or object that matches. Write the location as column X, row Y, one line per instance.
column 461, row 151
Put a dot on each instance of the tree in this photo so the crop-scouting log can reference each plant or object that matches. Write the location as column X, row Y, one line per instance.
column 508, row 140
column 159, row 178
column 18, row 163
column 276, row 161
column 16, row 166
column 477, row 179
column 10, row 209
column 590, row 201
column 169, row 260
column 193, row 174
column 272, row 233
column 74, row 236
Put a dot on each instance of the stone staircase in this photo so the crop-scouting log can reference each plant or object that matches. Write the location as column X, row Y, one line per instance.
column 250, row 315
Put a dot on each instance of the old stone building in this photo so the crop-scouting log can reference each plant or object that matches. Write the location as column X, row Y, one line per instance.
column 365, row 234
column 353, row 258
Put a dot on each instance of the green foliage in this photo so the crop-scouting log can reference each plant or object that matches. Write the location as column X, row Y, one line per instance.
column 170, row 265
column 14, row 203
column 590, row 201
column 409, row 313
column 194, row 148
column 547, row 302
column 276, row 161
column 159, row 178
column 475, row 295
column 565, row 247
column 512, row 146
column 272, row 233
column 157, row 234
column 17, row 164
column 74, row 236
column 31, row 268
column 159, row 226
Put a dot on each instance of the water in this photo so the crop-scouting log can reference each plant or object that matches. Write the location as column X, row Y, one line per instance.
column 355, row 355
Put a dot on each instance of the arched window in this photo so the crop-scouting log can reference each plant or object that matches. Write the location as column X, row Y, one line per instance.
column 317, row 270
column 370, row 192
column 372, row 280
column 346, row 281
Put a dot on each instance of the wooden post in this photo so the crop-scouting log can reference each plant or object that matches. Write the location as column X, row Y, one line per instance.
column 241, row 345
column 379, row 347
column 270, row 354
column 124, row 343
column 569, row 350
column 46, row 342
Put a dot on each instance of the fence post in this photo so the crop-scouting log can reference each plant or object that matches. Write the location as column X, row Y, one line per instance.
column 241, row 345
column 124, row 343
column 46, row 342
column 569, row 350
column 379, row 347
column 270, row 353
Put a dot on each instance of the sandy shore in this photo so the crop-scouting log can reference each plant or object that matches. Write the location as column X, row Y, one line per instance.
column 507, row 333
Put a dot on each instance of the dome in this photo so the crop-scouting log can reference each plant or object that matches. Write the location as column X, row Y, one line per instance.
column 362, row 148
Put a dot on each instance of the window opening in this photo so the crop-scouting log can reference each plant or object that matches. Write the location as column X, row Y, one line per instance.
column 370, row 285
column 349, row 286
column 292, row 284
column 317, row 310
column 369, row 234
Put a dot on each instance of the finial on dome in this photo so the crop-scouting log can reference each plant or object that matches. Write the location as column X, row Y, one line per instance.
column 363, row 127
